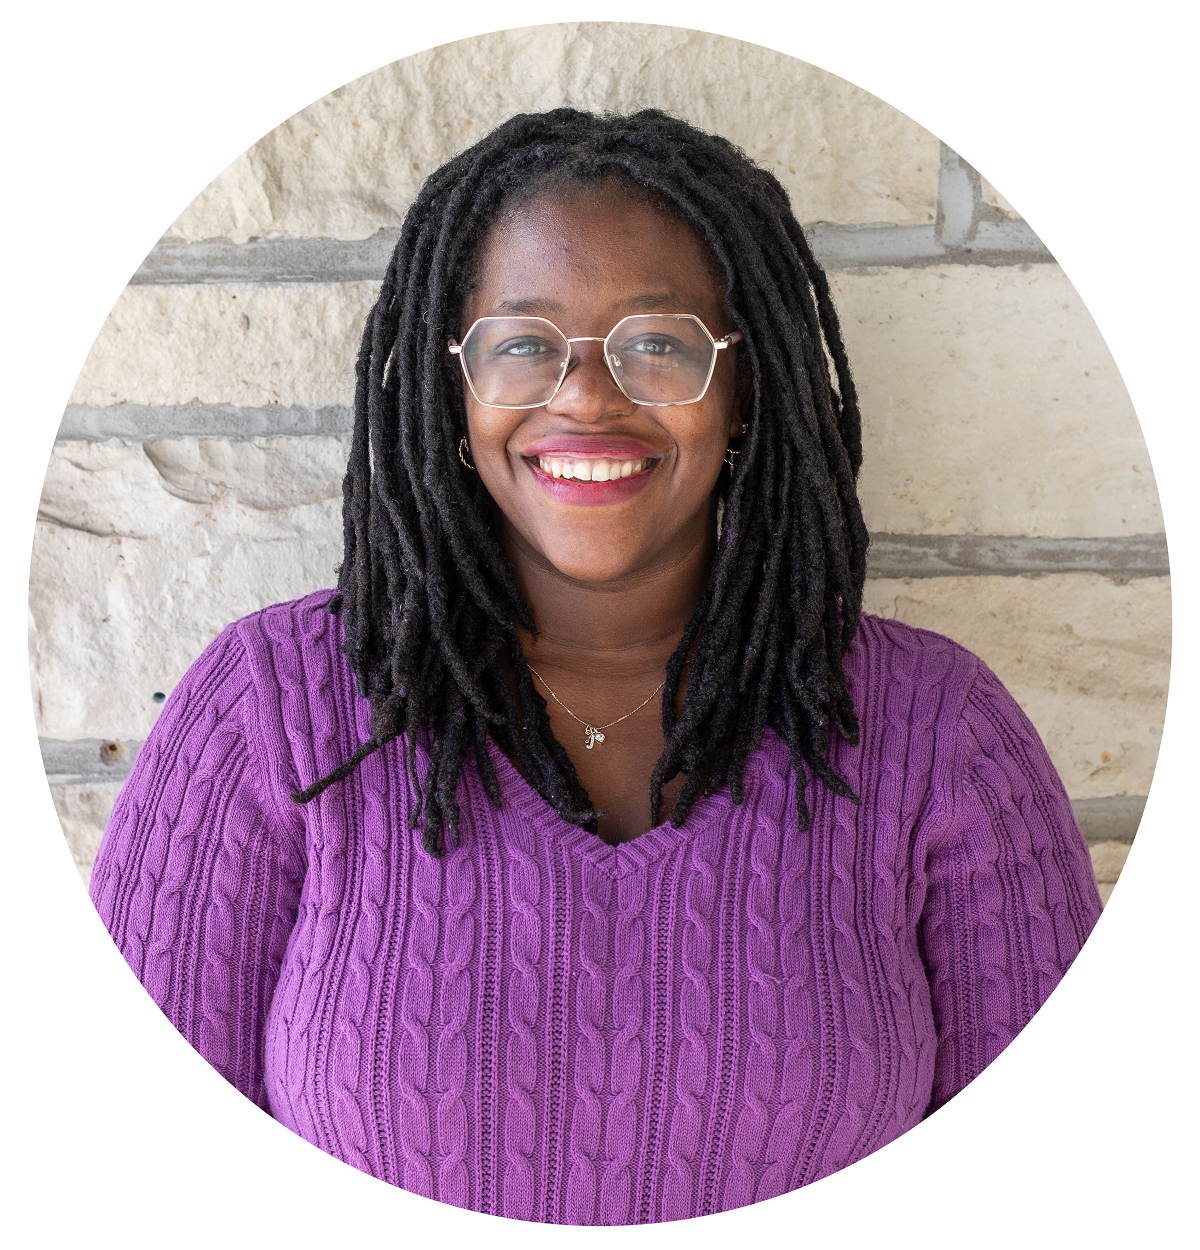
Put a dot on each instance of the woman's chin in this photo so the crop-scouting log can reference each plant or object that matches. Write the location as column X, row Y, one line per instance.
column 594, row 550
column 595, row 569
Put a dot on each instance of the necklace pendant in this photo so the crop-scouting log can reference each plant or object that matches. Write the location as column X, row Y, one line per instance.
column 593, row 735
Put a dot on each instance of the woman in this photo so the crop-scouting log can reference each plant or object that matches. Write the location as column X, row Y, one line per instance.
column 394, row 858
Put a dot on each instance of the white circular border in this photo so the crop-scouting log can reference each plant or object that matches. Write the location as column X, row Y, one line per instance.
column 119, row 115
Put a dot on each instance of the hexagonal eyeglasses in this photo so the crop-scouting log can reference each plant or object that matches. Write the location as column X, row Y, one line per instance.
column 657, row 359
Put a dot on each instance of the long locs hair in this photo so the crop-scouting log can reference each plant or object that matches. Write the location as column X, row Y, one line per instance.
column 431, row 606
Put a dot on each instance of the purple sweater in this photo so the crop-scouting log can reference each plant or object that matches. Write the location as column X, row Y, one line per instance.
column 542, row 1026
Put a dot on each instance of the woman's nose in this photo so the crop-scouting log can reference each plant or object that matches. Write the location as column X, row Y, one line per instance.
column 589, row 392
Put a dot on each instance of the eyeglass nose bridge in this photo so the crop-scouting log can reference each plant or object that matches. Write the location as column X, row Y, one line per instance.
column 572, row 361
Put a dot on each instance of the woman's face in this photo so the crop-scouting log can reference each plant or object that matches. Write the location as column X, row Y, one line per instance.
column 585, row 257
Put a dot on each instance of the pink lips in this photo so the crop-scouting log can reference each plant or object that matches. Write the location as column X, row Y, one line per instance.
column 573, row 491
column 594, row 447
column 568, row 490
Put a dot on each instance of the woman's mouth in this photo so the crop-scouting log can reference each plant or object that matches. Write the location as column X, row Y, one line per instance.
column 591, row 470
column 592, row 475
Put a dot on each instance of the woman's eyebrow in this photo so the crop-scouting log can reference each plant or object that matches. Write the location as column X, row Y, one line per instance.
column 656, row 301
column 526, row 307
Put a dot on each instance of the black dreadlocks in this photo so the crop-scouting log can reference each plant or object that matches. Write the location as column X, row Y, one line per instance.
column 430, row 601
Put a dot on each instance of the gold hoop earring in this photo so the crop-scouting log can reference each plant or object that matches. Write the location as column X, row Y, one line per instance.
column 463, row 448
column 731, row 452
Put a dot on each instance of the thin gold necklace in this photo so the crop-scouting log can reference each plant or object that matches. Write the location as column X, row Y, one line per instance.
column 592, row 733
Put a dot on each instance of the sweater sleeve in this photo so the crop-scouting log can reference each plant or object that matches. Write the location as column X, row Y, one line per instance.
column 199, row 873
column 1010, row 896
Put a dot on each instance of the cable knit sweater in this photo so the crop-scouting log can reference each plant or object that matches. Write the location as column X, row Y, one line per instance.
column 543, row 1026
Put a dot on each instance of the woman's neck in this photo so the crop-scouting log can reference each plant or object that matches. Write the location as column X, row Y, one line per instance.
column 601, row 649
column 629, row 626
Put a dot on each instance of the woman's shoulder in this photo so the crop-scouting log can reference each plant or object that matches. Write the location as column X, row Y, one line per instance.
column 275, row 679
column 885, row 649
column 283, row 652
column 293, row 650
column 899, row 672
column 306, row 619
column 260, row 642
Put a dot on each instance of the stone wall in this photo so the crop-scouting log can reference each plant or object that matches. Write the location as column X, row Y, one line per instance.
column 196, row 476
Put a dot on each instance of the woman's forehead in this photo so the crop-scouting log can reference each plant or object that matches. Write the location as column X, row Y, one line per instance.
column 595, row 240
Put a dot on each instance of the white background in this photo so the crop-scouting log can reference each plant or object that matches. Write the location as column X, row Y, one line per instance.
column 118, row 114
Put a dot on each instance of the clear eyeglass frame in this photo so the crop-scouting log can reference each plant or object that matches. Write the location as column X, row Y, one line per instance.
column 716, row 345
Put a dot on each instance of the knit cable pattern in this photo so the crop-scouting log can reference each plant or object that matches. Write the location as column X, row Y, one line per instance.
column 545, row 1027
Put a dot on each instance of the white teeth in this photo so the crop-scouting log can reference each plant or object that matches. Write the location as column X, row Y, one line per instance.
column 591, row 470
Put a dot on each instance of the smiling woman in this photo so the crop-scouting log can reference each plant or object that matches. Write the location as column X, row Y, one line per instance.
column 394, row 858
column 614, row 586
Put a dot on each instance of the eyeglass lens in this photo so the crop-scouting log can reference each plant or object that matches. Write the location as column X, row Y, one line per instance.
column 515, row 362
column 519, row 362
column 660, row 359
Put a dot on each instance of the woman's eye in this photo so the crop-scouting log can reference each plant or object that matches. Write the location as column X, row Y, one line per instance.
column 524, row 347
column 655, row 345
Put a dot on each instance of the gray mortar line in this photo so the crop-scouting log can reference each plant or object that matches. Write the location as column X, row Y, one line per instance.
column 85, row 761
column 280, row 262
column 79, row 762
column 1114, row 818
column 852, row 249
column 147, row 422
column 268, row 262
column 973, row 555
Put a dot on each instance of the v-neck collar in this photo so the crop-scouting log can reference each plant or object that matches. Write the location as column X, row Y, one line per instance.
column 625, row 858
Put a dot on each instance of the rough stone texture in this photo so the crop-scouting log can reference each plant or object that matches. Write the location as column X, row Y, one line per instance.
column 992, row 406
column 243, row 345
column 83, row 812
column 353, row 161
column 1108, row 858
column 1087, row 658
column 993, row 199
column 143, row 552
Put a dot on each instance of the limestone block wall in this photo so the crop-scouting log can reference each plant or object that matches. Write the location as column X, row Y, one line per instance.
column 196, row 475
